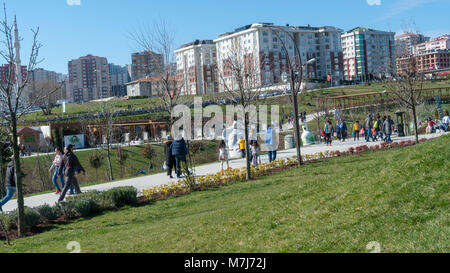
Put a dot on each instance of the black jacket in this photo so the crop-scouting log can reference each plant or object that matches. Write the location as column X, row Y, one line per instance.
column 10, row 179
column 168, row 152
column 71, row 164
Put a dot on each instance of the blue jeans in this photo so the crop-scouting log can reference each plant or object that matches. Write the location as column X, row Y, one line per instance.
column 388, row 138
column 9, row 194
column 368, row 135
column 446, row 127
column 61, row 178
column 272, row 155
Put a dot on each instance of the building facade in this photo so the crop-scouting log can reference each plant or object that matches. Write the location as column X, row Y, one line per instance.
column 145, row 64
column 88, row 79
column 261, row 45
column 404, row 43
column 368, row 54
column 439, row 43
column 118, row 77
column 4, row 74
column 196, row 67
column 149, row 86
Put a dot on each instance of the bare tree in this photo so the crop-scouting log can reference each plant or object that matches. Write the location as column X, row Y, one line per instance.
column 407, row 87
column 239, row 75
column 294, row 69
column 108, row 114
column 45, row 94
column 159, row 38
column 13, row 97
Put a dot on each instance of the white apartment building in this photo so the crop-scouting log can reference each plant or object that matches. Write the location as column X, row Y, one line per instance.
column 440, row 43
column 404, row 43
column 261, row 44
column 368, row 54
column 196, row 67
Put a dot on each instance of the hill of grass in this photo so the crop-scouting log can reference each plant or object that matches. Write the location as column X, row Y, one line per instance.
column 398, row 198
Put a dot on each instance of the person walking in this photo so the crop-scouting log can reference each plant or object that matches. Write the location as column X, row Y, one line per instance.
column 387, row 128
column 55, row 165
column 342, row 130
column 180, row 150
column 271, row 143
column 356, row 128
column 328, row 129
column 446, row 120
column 170, row 159
column 10, row 183
column 223, row 154
column 241, row 143
column 255, row 153
column 369, row 125
column 71, row 165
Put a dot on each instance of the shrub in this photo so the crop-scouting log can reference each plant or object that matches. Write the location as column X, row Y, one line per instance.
column 47, row 212
column 85, row 206
column 121, row 196
column 7, row 221
column 65, row 209
column 32, row 218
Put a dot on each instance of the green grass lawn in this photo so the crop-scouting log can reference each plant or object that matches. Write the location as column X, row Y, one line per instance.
column 399, row 198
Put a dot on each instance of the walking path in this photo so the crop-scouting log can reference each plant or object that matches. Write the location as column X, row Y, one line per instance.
column 145, row 182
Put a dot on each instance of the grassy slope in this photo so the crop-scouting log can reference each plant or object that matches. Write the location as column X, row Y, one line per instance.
column 398, row 198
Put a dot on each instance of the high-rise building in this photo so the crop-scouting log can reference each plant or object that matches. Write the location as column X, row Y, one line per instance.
column 368, row 54
column 404, row 43
column 262, row 45
column 196, row 66
column 147, row 63
column 118, row 76
column 45, row 79
column 88, row 79
column 439, row 43
column 4, row 74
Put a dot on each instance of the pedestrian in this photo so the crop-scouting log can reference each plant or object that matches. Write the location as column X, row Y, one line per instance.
column 342, row 129
column 446, row 120
column 431, row 124
column 170, row 158
column 356, row 128
column 387, row 128
column 223, row 154
column 382, row 128
column 55, row 165
column 71, row 165
column 328, row 129
column 180, row 151
column 10, row 183
column 271, row 143
column 255, row 153
column 369, row 125
column 242, row 146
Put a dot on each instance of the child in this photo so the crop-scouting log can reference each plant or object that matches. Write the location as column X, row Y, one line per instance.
column 255, row 153
column 223, row 154
column 356, row 129
column 242, row 147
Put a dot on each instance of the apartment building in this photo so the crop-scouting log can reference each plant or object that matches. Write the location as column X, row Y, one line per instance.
column 439, row 43
column 196, row 67
column 4, row 74
column 149, row 86
column 261, row 46
column 368, row 54
column 147, row 63
column 88, row 79
column 118, row 77
column 404, row 43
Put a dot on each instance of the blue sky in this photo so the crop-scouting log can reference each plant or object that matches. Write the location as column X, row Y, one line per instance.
column 73, row 28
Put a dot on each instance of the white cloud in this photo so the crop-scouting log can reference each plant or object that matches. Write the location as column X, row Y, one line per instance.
column 73, row 2
column 403, row 5
column 373, row 2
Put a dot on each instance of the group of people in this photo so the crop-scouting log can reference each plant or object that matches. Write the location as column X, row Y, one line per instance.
column 65, row 167
column 175, row 152
column 433, row 125
column 378, row 128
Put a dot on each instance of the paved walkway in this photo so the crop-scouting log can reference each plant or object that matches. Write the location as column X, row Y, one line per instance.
column 145, row 182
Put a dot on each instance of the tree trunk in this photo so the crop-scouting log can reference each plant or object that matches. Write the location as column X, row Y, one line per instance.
column 18, row 177
column 416, row 131
column 296, row 129
column 2, row 178
column 247, row 147
column 108, row 154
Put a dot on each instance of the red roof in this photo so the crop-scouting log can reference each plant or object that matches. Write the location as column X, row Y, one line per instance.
column 27, row 131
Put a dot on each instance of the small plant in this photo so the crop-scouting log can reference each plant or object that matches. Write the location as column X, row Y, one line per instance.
column 86, row 206
column 96, row 161
column 32, row 218
column 65, row 209
column 47, row 212
column 121, row 196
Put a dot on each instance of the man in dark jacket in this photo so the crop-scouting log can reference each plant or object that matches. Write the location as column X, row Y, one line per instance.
column 170, row 159
column 10, row 182
column 179, row 150
column 71, row 165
